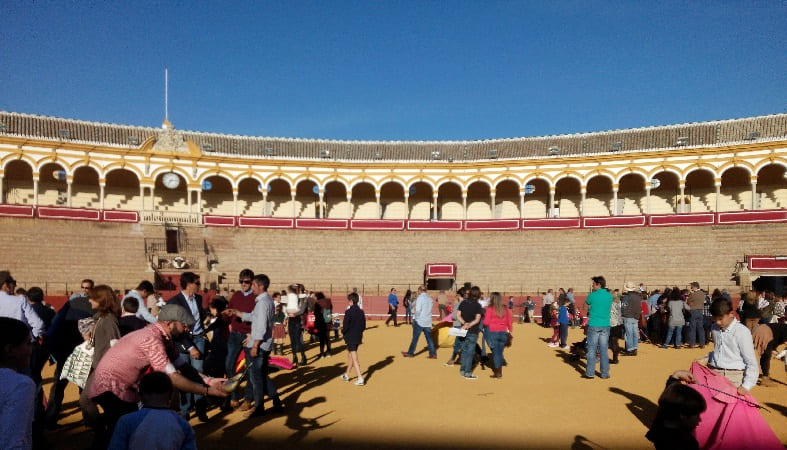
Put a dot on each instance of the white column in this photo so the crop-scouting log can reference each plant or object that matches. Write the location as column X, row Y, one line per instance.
column 188, row 199
column 464, row 205
column 521, row 203
column 717, row 184
column 153, row 198
column 647, row 199
column 492, row 198
column 614, row 201
column 142, row 197
column 681, row 202
column 434, row 205
column 68, row 192
column 2, row 193
column 235, row 203
column 101, row 187
column 264, row 202
column 379, row 208
column 350, row 205
column 551, row 206
column 754, row 203
column 583, row 191
column 199, row 202
column 407, row 205
column 292, row 196
column 35, row 191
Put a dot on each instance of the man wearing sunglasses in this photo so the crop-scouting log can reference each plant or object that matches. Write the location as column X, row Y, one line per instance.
column 192, row 344
column 242, row 300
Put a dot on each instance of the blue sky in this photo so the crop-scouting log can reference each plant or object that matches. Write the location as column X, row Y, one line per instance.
column 405, row 70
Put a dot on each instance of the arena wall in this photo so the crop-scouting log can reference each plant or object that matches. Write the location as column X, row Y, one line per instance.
column 58, row 254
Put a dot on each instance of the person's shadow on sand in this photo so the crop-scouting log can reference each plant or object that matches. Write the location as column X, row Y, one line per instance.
column 642, row 408
column 583, row 443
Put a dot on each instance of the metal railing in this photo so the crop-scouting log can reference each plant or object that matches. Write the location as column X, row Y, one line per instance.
column 159, row 246
column 171, row 217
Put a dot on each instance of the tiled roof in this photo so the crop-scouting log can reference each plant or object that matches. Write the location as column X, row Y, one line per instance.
column 637, row 139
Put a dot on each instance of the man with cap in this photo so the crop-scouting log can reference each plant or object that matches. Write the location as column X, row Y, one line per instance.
column 630, row 310
column 117, row 376
column 17, row 307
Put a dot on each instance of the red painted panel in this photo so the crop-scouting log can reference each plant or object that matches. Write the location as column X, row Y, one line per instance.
column 50, row 212
column 551, row 224
column 778, row 215
column 767, row 264
column 492, row 225
column 265, row 222
column 322, row 224
column 377, row 225
column 441, row 225
column 219, row 221
column 17, row 210
column 669, row 220
column 614, row 222
column 120, row 216
column 441, row 270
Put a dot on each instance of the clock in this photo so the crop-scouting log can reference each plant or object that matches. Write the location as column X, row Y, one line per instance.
column 170, row 180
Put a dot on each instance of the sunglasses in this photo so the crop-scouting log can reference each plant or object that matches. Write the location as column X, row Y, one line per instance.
column 244, row 281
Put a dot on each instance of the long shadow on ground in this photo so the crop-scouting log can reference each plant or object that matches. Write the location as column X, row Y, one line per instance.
column 642, row 408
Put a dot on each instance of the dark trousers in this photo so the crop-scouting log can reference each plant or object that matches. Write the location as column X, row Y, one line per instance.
column 322, row 335
column 391, row 314
column 263, row 385
column 563, row 334
column 234, row 347
column 114, row 408
column 56, row 393
column 296, row 338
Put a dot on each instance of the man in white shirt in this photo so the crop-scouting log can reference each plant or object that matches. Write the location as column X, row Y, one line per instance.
column 422, row 322
column 141, row 293
column 17, row 307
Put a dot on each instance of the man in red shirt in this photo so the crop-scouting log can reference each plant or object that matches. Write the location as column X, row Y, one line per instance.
column 242, row 300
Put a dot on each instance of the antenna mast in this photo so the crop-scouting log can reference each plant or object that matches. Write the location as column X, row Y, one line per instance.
column 166, row 93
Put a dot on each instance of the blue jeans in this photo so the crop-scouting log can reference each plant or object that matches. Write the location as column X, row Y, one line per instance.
column 234, row 347
column 468, row 352
column 697, row 328
column 187, row 399
column 497, row 340
column 598, row 342
column 263, row 385
column 417, row 329
column 678, row 330
column 408, row 314
column 563, row 334
column 632, row 333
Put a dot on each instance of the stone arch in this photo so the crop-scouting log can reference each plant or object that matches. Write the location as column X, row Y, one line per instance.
column 392, row 199
column 121, row 189
column 17, row 182
column 479, row 199
column 19, row 157
column 600, row 173
column 537, row 201
column 568, row 196
column 700, row 166
column 156, row 174
column 599, row 198
column 538, row 176
column 364, row 199
column 307, row 203
column 630, row 171
column 631, row 193
column 699, row 191
column 449, row 201
column 420, row 199
column 85, row 188
column 666, row 168
column 767, row 162
column 479, row 179
column 394, row 179
column 220, row 174
column 507, row 198
column 52, row 191
column 664, row 199
column 218, row 200
column 772, row 186
column 335, row 198
column 362, row 180
column 121, row 165
column 250, row 198
column 736, row 164
column 280, row 202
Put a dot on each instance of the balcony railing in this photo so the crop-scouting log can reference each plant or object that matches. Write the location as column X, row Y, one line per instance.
column 161, row 217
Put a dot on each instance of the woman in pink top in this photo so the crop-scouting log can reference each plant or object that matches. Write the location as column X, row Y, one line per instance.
column 500, row 322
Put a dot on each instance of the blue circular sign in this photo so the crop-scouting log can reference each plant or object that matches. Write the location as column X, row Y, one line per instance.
column 412, row 190
column 529, row 188
column 316, row 189
column 207, row 185
column 59, row 175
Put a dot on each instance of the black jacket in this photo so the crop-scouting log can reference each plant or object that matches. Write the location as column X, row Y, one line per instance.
column 185, row 342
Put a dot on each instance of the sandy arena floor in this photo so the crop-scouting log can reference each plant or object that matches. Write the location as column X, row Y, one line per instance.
column 541, row 402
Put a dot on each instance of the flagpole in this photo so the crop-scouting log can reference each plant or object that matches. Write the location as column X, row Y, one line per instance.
column 166, row 93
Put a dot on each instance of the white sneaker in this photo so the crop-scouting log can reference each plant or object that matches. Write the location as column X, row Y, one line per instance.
column 552, row 344
column 345, row 377
column 359, row 382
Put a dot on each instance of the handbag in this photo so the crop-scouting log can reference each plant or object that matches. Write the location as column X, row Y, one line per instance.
column 76, row 368
column 509, row 340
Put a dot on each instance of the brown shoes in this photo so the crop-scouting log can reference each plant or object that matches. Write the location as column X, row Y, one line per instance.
column 246, row 406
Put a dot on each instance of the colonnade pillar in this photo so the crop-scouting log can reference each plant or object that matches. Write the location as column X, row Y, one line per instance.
column 754, row 202
column 492, row 196
column 614, row 200
column 681, row 202
column 35, row 189
column 235, row 202
column 521, row 203
column 583, row 192
column 69, row 182
column 647, row 199
column 717, row 185
column 551, row 206
column 101, row 188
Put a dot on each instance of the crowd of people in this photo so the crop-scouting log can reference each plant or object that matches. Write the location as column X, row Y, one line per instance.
column 123, row 350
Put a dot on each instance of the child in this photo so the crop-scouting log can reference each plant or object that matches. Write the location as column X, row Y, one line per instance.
column 217, row 326
column 279, row 318
column 128, row 320
column 530, row 305
column 678, row 415
column 553, row 321
column 563, row 321
column 733, row 349
column 155, row 425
